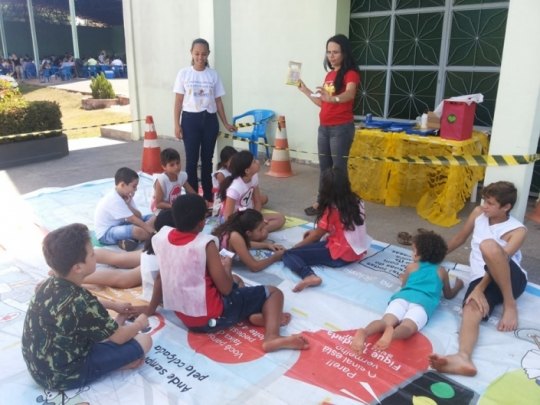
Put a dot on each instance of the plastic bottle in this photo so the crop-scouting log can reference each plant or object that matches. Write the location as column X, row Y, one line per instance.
column 423, row 121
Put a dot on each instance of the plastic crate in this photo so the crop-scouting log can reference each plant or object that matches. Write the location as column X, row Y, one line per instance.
column 457, row 120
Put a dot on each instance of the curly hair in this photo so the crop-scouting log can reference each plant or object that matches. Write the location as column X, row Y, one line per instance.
column 65, row 247
column 430, row 247
column 241, row 222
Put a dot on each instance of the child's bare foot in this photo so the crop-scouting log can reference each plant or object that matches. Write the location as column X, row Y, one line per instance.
column 509, row 320
column 359, row 338
column 385, row 340
column 258, row 319
column 309, row 281
column 294, row 342
column 454, row 364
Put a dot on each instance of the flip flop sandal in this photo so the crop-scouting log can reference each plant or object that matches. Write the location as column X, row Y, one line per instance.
column 404, row 238
column 128, row 245
column 311, row 211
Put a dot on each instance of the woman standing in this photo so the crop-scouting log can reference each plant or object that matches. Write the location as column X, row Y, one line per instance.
column 336, row 99
column 198, row 91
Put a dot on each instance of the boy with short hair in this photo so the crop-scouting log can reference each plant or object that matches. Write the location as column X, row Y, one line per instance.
column 69, row 338
column 497, row 277
column 168, row 185
column 199, row 285
column 117, row 219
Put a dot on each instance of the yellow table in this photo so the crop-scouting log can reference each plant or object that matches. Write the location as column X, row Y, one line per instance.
column 437, row 192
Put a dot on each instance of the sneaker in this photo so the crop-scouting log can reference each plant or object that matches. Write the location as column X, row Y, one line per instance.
column 128, row 245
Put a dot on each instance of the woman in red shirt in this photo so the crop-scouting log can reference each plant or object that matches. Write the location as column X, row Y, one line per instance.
column 336, row 99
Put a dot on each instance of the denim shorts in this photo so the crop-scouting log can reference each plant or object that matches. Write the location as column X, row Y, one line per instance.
column 105, row 357
column 239, row 305
column 120, row 232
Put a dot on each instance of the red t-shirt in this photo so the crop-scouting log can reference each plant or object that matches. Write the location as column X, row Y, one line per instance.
column 338, row 113
column 214, row 302
column 337, row 243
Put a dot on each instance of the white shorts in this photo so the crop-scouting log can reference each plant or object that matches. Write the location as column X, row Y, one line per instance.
column 402, row 309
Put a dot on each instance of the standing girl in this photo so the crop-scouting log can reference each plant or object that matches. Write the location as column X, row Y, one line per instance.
column 241, row 190
column 341, row 216
column 198, row 91
column 336, row 100
column 244, row 230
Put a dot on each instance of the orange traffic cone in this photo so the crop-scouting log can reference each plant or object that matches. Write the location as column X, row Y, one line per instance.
column 280, row 166
column 535, row 215
column 150, row 159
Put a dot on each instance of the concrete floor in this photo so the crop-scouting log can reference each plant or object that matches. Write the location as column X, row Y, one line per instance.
column 97, row 158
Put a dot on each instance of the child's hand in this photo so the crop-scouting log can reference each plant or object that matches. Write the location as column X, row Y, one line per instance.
column 274, row 247
column 458, row 285
column 124, row 308
column 238, row 280
column 279, row 254
column 226, row 261
column 142, row 321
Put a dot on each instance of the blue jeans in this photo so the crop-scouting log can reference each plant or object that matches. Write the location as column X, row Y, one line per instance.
column 300, row 259
column 200, row 131
column 334, row 143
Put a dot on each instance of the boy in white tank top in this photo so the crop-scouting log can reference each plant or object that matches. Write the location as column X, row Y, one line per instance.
column 496, row 273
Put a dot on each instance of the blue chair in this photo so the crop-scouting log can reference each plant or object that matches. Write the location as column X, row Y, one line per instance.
column 65, row 73
column 253, row 133
column 118, row 71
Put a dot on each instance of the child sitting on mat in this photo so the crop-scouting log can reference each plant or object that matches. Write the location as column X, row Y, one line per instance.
column 200, row 288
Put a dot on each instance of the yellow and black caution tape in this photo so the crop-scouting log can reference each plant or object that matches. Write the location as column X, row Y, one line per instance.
column 50, row 131
column 450, row 160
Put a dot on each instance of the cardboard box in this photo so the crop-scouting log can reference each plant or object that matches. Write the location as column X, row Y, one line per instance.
column 433, row 120
column 457, row 120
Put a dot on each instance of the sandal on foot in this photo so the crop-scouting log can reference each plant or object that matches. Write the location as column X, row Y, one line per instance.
column 404, row 238
column 311, row 211
column 128, row 245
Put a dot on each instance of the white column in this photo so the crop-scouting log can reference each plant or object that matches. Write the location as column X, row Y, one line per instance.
column 74, row 36
column 516, row 124
column 3, row 34
column 37, row 61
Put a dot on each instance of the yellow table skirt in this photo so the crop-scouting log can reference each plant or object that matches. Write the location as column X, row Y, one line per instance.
column 437, row 192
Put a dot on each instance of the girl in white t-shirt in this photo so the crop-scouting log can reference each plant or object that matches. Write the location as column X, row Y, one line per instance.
column 241, row 190
column 197, row 106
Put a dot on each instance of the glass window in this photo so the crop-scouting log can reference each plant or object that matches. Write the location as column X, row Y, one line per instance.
column 414, row 53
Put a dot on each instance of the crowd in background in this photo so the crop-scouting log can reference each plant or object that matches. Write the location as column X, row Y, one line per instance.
column 64, row 66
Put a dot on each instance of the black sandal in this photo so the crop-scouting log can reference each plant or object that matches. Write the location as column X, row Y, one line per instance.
column 129, row 245
column 311, row 211
column 404, row 238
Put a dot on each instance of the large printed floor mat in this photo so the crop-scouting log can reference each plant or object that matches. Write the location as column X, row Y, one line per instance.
column 229, row 367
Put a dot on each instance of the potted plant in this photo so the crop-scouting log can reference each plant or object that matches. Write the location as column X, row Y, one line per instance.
column 103, row 95
column 18, row 118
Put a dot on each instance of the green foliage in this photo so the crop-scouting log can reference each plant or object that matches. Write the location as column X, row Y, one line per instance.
column 18, row 116
column 10, row 97
column 101, row 87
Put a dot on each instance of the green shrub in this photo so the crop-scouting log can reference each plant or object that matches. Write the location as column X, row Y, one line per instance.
column 101, row 87
column 35, row 116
